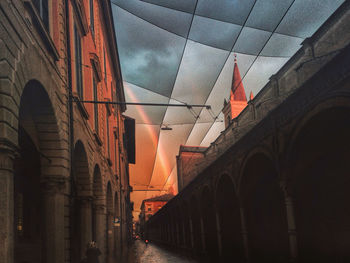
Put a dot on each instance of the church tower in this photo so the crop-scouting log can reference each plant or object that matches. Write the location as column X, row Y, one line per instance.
column 238, row 99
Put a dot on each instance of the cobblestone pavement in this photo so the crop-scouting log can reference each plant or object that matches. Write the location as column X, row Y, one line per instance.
column 152, row 253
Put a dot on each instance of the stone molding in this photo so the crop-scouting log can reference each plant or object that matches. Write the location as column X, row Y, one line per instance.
column 54, row 185
column 8, row 153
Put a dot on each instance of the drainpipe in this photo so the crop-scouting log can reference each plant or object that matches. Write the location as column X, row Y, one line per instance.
column 120, row 193
column 70, row 113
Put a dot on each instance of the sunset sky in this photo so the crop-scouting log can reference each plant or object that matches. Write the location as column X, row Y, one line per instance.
column 183, row 52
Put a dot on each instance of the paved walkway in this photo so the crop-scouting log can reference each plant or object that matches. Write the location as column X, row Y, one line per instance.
column 140, row 253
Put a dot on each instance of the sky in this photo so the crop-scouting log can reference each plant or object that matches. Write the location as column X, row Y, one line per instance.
column 182, row 52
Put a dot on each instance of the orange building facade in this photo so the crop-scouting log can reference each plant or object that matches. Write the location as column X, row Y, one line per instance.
column 64, row 163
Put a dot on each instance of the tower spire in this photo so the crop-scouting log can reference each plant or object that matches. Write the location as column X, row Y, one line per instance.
column 238, row 99
column 237, row 89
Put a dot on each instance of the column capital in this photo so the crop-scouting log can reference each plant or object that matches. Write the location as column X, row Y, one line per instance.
column 8, row 152
column 54, row 184
column 286, row 188
column 100, row 209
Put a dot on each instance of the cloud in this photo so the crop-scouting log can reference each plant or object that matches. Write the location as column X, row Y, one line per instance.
column 149, row 55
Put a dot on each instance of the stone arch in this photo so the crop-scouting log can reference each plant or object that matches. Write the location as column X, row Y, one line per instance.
column 324, row 105
column 263, row 203
column 39, row 167
column 229, row 218
column 208, row 212
column 256, row 150
column 320, row 184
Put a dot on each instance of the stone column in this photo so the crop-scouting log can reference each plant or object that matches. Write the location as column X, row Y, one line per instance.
column 7, row 156
column 53, row 188
column 100, row 212
column 244, row 233
column 202, row 235
column 117, row 240
column 218, row 232
column 177, row 227
column 292, row 233
column 110, row 237
column 183, row 228
column 191, row 233
column 85, row 207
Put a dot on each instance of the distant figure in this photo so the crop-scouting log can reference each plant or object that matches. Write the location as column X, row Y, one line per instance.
column 146, row 241
column 92, row 253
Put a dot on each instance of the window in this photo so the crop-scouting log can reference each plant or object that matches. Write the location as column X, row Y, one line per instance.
column 43, row 9
column 108, row 146
column 149, row 209
column 104, row 65
column 95, row 104
column 78, row 63
column 92, row 23
column 115, row 152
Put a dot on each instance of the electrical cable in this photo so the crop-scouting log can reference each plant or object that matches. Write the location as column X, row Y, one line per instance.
column 259, row 51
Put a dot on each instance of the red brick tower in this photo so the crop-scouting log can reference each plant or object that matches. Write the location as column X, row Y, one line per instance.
column 238, row 99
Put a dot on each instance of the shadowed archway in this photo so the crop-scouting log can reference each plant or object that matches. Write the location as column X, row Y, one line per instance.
column 81, row 203
column 230, row 220
column 209, row 223
column 321, row 187
column 39, row 150
column 263, row 203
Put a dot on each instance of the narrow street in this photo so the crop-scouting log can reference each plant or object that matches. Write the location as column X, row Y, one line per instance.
column 152, row 253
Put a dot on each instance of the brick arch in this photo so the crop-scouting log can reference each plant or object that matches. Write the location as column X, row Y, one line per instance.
column 218, row 179
column 327, row 103
column 264, row 150
column 263, row 202
column 81, row 174
column 229, row 218
column 319, row 182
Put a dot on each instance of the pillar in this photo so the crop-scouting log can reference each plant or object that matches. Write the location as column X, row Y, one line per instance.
column 100, row 212
column 85, row 223
column 292, row 233
column 202, row 235
column 244, row 233
column 110, row 236
column 191, row 233
column 218, row 232
column 7, row 156
column 54, row 241
column 117, row 240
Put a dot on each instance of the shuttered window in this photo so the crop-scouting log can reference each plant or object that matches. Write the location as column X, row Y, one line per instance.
column 95, row 105
column 78, row 63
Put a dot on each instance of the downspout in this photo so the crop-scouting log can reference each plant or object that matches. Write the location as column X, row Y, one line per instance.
column 70, row 113
column 120, row 192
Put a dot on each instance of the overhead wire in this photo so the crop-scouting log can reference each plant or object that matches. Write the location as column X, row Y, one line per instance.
column 232, row 47
column 257, row 55
column 263, row 46
column 182, row 55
